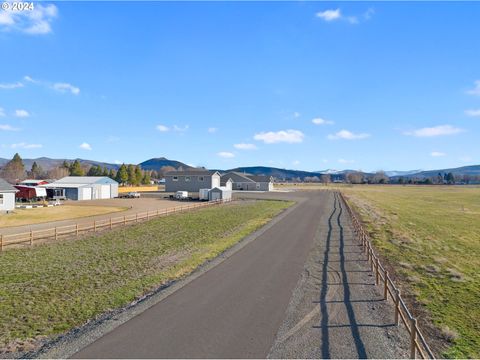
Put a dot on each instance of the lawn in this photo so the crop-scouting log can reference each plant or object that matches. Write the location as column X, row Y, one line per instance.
column 49, row 289
column 431, row 235
column 46, row 214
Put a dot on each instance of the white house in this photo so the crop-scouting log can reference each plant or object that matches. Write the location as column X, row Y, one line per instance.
column 7, row 196
column 83, row 188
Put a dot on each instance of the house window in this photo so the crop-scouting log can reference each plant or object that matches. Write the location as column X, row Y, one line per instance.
column 175, row 178
column 1, row 199
column 187, row 178
column 258, row 185
column 201, row 178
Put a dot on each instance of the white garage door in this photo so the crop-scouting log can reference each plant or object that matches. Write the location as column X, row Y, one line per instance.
column 215, row 196
column 85, row 193
column 105, row 192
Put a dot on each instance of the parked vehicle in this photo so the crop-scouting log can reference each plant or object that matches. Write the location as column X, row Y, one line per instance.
column 181, row 195
column 203, row 194
column 130, row 195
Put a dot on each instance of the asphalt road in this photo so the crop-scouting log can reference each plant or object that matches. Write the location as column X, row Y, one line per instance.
column 301, row 289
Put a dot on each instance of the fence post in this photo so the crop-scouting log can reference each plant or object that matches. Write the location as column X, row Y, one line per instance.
column 124, row 220
column 110, row 223
column 31, row 237
column 397, row 306
column 56, row 235
column 1, row 242
column 413, row 336
column 94, row 225
column 76, row 229
column 147, row 216
column 377, row 278
column 385, row 285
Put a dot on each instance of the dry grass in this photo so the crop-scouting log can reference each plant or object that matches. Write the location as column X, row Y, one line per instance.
column 431, row 235
column 45, row 214
column 126, row 189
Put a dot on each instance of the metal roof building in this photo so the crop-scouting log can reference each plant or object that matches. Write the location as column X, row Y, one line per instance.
column 7, row 196
column 83, row 188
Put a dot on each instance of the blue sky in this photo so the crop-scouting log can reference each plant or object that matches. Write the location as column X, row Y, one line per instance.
column 306, row 85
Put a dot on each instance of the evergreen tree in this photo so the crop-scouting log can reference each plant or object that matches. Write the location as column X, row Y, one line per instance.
column 112, row 174
column 138, row 175
column 131, row 174
column 76, row 169
column 36, row 171
column 122, row 174
column 14, row 170
column 146, row 178
column 105, row 171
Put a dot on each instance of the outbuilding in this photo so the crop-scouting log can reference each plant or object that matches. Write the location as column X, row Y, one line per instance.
column 220, row 193
column 191, row 180
column 7, row 196
column 83, row 188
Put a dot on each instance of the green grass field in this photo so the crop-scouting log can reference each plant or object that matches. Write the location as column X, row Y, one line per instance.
column 49, row 289
column 431, row 235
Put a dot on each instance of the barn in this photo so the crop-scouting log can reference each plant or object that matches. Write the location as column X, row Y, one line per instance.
column 83, row 188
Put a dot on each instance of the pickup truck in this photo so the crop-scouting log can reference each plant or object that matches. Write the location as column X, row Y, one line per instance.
column 130, row 195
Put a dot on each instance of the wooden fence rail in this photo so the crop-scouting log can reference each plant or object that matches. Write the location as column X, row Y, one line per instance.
column 74, row 230
column 418, row 345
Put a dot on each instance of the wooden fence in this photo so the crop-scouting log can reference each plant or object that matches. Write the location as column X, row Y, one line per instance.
column 418, row 345
column 74, row 230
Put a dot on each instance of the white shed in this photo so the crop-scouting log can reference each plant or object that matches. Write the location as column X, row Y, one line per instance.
column 7, row 196
column 85, row 187
column 220, row 193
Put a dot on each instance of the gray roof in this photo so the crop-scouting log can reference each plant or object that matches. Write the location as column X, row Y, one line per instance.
column 84, row 180
column 192, row 172
column 244, row 176
column 6, row 187
column 260, row 178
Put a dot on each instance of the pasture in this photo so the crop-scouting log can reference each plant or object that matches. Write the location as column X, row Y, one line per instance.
column 431, row 236
column 49, row 289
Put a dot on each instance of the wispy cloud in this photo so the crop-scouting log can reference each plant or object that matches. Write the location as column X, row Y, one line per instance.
column 180, row 128
column 437, row 154
column 296, row 115
column 245, row 146
column 329, row 15
column 66, row 87
column 6, row 127
column 226, row 154
column 34, row 22
column 21, row 113
column 9, row 86
column 336, row 14
column 162, row 128
column 296, row 162
column 286, row 136
column 345, row 161
column 112, row 139
column 85, row 146
column 472, row 113
column 24, row 145
column 320, row 121
column 212, row 130
column 476, row 89
column 440, row 130
column 347, row 135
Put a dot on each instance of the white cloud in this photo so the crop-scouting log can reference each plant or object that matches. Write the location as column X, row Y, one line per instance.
column 226, row 154
column 440, row 130
column 347, row 135
column 287, row 136
column 180, row 128
column 6, row 127
column 2, row 112
column 23, row 145
column 22, row 113
column 85, row 146
column 472, row 112
column 30, row 79
column 9, row 86
column 344, row 161
column 437, row 154
column 476, row 89
column 320, row 121
column 162, row 128
column 118, row 162
column 296, row 114
column 212, row 130
column 296, row 162
column 329, row 15
column 66, row 87
column 245, row 146
column 35, row 22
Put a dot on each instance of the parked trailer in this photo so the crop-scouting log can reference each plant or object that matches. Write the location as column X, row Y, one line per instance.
column 30, row 193
column 181, row 195
column 203, row 194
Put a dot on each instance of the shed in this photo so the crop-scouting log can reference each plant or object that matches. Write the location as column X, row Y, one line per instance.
column 83, row 188
column 7, row 196
column 220, row 193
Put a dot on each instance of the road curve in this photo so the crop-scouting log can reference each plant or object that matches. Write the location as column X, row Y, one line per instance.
column 232, row 311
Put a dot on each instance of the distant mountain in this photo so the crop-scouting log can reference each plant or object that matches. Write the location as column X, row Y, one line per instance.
column 401, row 173
column 48, row 163
column 464, row 170
column 157, row 163
column 276, row 172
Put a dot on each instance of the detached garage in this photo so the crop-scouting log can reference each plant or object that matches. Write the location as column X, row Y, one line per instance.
column 220, row 193
column 84, row 187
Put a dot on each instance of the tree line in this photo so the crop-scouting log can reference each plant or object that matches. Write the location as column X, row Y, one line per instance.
column 127, row 174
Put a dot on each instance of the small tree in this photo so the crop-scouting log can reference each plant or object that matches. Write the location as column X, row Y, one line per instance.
column 14, row 170
column 36, row 172
column 326, row 179
column 122, row 174
column 76, row 169
column 138, row 175
column 146, row 178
